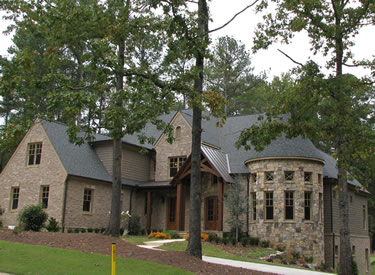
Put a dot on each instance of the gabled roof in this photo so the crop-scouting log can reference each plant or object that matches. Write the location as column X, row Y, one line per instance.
column 81, row 161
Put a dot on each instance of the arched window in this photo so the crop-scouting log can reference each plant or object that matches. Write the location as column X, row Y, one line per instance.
column 178, row 132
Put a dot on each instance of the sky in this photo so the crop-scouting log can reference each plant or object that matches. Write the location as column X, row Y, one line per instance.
column 242, row 28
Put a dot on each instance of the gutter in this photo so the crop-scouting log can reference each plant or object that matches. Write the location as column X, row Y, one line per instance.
column 64, row 204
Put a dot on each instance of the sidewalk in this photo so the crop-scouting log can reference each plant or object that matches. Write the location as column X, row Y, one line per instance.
column 247, row 265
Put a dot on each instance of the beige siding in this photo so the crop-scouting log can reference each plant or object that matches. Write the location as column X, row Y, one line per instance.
column 105, row 153
column 30, row 178
column 135, row 165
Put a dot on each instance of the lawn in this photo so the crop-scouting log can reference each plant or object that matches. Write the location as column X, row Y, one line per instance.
column 372, row 260
column 18, row 258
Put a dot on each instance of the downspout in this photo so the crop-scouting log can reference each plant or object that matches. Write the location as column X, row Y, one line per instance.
column 247, row 204
column 64, row 204
column 333, row 232
column 131, row 201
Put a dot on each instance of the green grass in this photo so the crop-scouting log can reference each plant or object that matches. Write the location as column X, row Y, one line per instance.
column 138, row 239
column 18, row 258
column 372, row 261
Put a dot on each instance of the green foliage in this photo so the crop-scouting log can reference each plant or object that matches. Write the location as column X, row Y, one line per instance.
column 225, row 241
column 76, row 230
column 53, row 225
column 233, row 240
column 236, row 207
column 172, row 234
column 254, row 241
column 97, row 230
column 134, row 225
column 70, row 230
column 244, row 241
column 211, row 237
column 229, row 73
column 32, row 218
column 1, row 213
column 83, row 230
column 265, row 244
column 90, row 230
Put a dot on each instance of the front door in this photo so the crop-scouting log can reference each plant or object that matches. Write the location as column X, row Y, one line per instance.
column 211, row 213
column 171, row 215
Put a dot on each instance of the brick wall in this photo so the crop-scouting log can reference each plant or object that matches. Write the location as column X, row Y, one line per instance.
column 29, row 179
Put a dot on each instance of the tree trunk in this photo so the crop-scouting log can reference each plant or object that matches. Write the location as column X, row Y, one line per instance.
column 115, row 215
column 195, row 247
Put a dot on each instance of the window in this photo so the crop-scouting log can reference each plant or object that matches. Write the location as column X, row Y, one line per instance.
column 14, row 197
column 367, row 259
column 175, row 163
column 289, row 205
column 87, row 200
column 214, row 179
column 319, row 178
column 254, row 205
column 351, row 199
column 353, row 250
column 269, row 205
column 44, row 194
column 320, row 207
column 269, row 176
column 364, row 216
column 336, row 250
column 146, row 203
column 253, row 178
column 289, row 175
column 307, row 206
column 178, row 132
column 307, row 176
column 34, row 155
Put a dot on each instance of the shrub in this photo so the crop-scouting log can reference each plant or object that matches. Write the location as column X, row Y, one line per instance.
column 204, row 237
column 90, row 230
column 295, row 254
column 172, row 234
column 97, row 230
column 211, row 237
column 244, row 241
column 134, row 225
column 83, row 230
column 53, row 225
column 254, row 241
column 264, row 243
column 159, row 235
column 76, row 230
column 217, row 240
column 354, row 266
column 102, row 230
column 309, row 259
column 1, row 213
column 32, row 218
column 233, row 240
column 225, row 241
column 70, row 230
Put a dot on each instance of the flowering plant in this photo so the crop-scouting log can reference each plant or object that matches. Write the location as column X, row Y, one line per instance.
column 204, row 237
column 159, row 235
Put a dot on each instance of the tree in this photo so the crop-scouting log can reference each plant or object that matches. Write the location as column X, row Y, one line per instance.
column 101, row 41
column 335, row 109
column 236, row 206
column 229, row 72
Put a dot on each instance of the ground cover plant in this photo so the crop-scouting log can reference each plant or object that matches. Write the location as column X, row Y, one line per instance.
column 63, row 261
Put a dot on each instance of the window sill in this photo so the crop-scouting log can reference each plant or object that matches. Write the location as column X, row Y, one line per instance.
column 87, row 213
column 33, row 166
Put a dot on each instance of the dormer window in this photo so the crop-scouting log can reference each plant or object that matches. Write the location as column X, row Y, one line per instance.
column 34, row 153
column 307, row 176
column 178, row 132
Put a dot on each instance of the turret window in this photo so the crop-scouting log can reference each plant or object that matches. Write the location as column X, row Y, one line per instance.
column 269, row 205
column 269, row 176
column 289, row 205
column 289, row 175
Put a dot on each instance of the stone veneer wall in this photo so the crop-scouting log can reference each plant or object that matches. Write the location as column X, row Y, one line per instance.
column 306, row 237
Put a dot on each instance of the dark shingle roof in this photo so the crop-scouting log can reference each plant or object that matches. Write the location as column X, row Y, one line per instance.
column 79, row 161
column 219, row 160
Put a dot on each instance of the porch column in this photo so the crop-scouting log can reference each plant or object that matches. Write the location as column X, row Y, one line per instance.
column 220, row 212
column 148, row 224
column 179, row 208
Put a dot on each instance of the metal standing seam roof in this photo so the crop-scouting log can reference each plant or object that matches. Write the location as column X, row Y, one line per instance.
column 219, row 160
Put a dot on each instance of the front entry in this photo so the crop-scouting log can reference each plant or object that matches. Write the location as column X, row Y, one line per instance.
column 171, row 215
column 211, row 213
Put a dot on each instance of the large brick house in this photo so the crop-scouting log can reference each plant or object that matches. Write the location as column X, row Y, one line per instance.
column 290, row 185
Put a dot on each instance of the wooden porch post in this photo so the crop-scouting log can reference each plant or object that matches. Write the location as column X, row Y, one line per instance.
column 220, row 204
column 178, row 206
column 148, row 225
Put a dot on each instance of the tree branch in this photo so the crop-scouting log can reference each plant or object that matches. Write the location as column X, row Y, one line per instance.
column 230, row 21
column 298, row 63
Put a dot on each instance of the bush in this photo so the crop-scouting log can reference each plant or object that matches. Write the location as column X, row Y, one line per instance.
column 97, row 230
column 295, row 254
column 211, row 237
column 172, row 234
column 76, row 230
column 217, row 240
column 53, row 225
column 32, row 218
column 134, row 225
column 254, row 241
column 90, row 230
column 225, row 241
column 354, row 266
column 102, row 230
column 1, row 213
column 244, row 241
column 264, row 243
column 70, row 230
column 233, row 240
column 83, row 230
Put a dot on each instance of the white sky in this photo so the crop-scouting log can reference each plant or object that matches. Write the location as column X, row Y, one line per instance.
column 242, row 29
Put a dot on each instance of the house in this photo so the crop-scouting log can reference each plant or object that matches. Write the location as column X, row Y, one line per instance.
column 290, row 185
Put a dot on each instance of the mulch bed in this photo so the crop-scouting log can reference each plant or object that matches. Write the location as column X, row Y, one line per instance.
column 97, row 243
